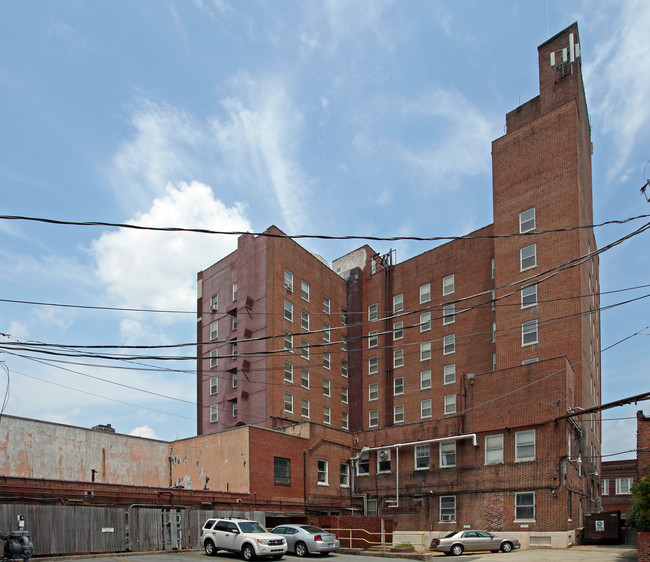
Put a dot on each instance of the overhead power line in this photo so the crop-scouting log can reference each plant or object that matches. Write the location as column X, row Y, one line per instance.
column 313, row 236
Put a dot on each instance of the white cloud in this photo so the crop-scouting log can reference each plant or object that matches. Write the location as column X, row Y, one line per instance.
column 250, row 150
column 158, row 269
column 462, row 146
column 618, row 80
column 144, row 431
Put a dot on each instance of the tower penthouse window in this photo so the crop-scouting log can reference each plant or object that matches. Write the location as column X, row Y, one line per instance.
column 527, row 220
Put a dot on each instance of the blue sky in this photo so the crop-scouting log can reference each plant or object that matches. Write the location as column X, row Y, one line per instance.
column 366, row 118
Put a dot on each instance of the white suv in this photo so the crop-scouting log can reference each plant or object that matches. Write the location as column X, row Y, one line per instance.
column 241, row 535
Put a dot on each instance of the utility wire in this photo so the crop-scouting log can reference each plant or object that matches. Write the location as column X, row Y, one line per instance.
column 313, row 236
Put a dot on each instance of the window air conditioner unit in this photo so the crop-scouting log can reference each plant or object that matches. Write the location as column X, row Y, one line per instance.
column 384, row 455
column 288, row 287
column 213, row 308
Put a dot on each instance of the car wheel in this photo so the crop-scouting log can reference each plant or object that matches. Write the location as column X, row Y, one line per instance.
column 301, row 549
column 247, row 552
column 506, row 547
column 209, row 548
column 457, row 549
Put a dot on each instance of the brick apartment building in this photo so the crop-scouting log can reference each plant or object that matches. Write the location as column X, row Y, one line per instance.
column 444, row 374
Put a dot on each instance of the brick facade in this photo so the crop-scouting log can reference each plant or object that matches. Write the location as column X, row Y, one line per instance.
column 458, row 360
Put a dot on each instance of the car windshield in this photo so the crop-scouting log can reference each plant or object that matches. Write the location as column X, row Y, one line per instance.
column 252, row 527
column 311, row 529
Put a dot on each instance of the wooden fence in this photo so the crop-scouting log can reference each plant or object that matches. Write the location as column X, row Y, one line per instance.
column 65, row 529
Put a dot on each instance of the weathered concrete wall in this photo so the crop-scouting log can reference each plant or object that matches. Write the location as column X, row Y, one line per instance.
column 219, row 462
column 36, row 449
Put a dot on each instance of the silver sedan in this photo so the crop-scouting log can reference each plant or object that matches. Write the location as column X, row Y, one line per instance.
column 305, row 539
column 460, row 541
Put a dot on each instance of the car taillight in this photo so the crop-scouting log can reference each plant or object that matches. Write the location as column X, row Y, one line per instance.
column 318, row 538
column 438, row 542
column 201, row 532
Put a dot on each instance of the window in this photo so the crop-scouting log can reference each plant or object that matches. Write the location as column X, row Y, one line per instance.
column 373, row 391
column 422, row 457
column 398, row 413
column 323, row 477
column 527, row 220
column 373, row 312
column 425, row 408
column 493, row 449
column 398, row 330
column 326, row 304
column 363, row 464
column 288, row 341
column 398, row 303
column 288, row 280
column 494, row 332
column 448, row 314
column 493, row 268
column 304, row 378
column 281, row 470
column 214, row 330
column 344, row 368
column 493, row 299
column 425, row 380
column 425, row 293
column 372, row 507
column 528, row 257
column 304, row 320
column 214, row 303
column 373, row 418
column 447, row 509
column 344, row 342
column 326, row 359
column 398, row 386
column 425, row 322
column 449, row 374
column 214, row 413
column 529, row 333
column 304, row 291
column 373, row 338
column 327, row 334
column 425, row 351
column 233, row 324
column 448, row 285
column 288, row 402
column 450, row 404
column 525, row 445
column 605, row 487
column 304, row 349
column 233, row 349
column 383, row 461
column 525, row 506
column 623, row 486
column 448, row 454
column 327, row 413
column 288, row 372
column 344, row 394
column 344, row 316
column 234, row 292
column 449, row 344
column 304, row 408
column 344, row 480
column 234, row 379
column 327, row 387
column 344, row 420
column 529, row 295
column 234, row 408
column 288, row 310
column 373, row 365
column 398, row 358
column 214, row 358
column 214, row 385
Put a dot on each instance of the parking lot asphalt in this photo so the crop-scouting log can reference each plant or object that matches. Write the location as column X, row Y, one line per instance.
column 573, row 554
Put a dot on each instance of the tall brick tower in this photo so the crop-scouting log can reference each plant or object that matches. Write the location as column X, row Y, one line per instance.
column 548, row 276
